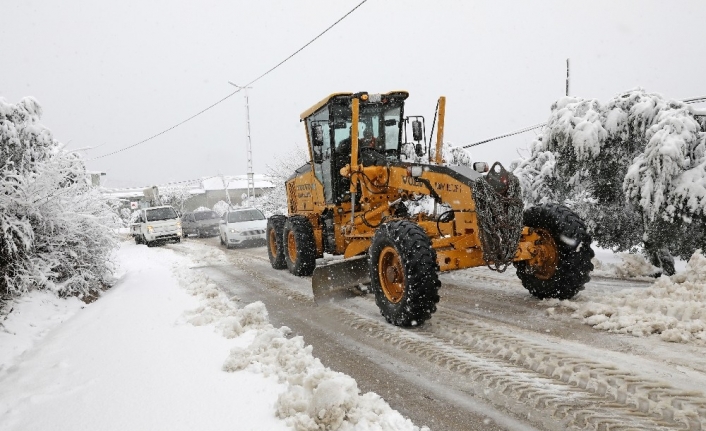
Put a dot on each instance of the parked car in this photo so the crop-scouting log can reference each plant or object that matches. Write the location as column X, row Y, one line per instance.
column 200, row 223
column 243, row 226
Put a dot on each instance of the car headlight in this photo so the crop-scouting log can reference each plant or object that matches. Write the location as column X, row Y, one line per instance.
column 234, row 231
column 150, row 229
column 178, row 223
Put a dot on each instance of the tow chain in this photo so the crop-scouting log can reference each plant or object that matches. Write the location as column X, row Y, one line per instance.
column 500, row 221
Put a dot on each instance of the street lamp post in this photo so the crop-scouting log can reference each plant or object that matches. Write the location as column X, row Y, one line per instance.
column 251, row 180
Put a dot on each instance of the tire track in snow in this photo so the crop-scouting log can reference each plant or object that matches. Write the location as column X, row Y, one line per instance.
column 581, row 393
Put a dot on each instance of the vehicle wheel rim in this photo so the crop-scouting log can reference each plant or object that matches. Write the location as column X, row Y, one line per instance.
column 272, row 240
column 544, row 264
column 292, row 246
column 391, row 274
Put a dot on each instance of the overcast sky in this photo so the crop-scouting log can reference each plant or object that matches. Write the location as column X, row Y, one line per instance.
column 111, row 74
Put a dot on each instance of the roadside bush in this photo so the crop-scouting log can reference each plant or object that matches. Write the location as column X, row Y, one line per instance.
column 56, row 231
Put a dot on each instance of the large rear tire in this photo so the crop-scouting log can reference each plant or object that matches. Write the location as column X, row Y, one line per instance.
column 403, row 273
column 275, row 246
column 299, row 246
column 565, row 245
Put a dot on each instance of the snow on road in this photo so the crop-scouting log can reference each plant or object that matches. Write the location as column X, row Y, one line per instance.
column 166, row 349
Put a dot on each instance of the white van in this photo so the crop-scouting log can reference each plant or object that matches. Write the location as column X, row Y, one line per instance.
column 156, row 225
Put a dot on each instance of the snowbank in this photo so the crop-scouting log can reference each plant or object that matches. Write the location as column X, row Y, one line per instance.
column 622, row 265
column 673, row 308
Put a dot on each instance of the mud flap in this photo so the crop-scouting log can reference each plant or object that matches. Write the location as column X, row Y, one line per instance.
column 341, row 279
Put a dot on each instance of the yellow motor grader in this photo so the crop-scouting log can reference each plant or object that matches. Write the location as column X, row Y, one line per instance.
column 398, row 215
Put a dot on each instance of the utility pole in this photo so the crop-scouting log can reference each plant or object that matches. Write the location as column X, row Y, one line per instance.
column 567, row 76
column 251, row 180
column 225, row 187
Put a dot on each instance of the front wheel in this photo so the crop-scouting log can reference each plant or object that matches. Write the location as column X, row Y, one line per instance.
column 275, row 246
column 299, row 246
column 403, row 273
column 562, row 265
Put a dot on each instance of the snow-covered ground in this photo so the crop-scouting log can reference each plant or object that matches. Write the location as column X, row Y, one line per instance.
column 166, row 349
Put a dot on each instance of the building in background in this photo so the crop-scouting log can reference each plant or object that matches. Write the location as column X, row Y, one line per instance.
column 205, row 192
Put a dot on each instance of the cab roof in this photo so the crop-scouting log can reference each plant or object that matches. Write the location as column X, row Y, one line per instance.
column 332, row 96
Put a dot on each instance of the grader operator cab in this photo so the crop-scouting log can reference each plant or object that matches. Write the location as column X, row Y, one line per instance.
column 353, row 199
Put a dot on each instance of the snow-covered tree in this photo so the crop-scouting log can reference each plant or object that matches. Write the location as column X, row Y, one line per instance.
column 175, row 195
column 453, row 155
column 633, row 168
column 281, row 167
column 55, row 229
column 221, row 207
column 450, row 155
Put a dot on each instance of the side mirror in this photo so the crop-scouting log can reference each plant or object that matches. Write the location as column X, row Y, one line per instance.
column 417, row 130
column 318, row 155
column 317, row 135
column 419, row 150
column 222, row 222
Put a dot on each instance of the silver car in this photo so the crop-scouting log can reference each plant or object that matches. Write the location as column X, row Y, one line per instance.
column 201, row 223
column 243, row 226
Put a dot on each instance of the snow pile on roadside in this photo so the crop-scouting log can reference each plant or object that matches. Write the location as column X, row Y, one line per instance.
column 673, row 307
column 316, row 397
column 630, row 266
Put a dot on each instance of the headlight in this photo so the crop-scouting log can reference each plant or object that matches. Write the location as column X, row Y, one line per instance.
column 234, row 231
column 150, row 229
column 178, row 224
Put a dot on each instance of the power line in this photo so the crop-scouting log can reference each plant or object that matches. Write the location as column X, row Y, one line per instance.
column 309, row 43
column 526, row 129
column 236, row 91
column 694, row 100
column 167, row 130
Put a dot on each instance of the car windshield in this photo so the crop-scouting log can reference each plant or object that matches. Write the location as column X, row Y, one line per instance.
column 247, row 215
column 157, row 214
column 205, row 215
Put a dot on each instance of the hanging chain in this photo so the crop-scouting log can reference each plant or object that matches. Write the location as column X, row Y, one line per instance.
column 500, row 221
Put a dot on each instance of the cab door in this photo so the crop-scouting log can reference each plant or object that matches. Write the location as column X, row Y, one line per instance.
column 319, row 130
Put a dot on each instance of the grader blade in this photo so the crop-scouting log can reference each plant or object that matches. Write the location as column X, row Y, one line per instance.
column 340, row 280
